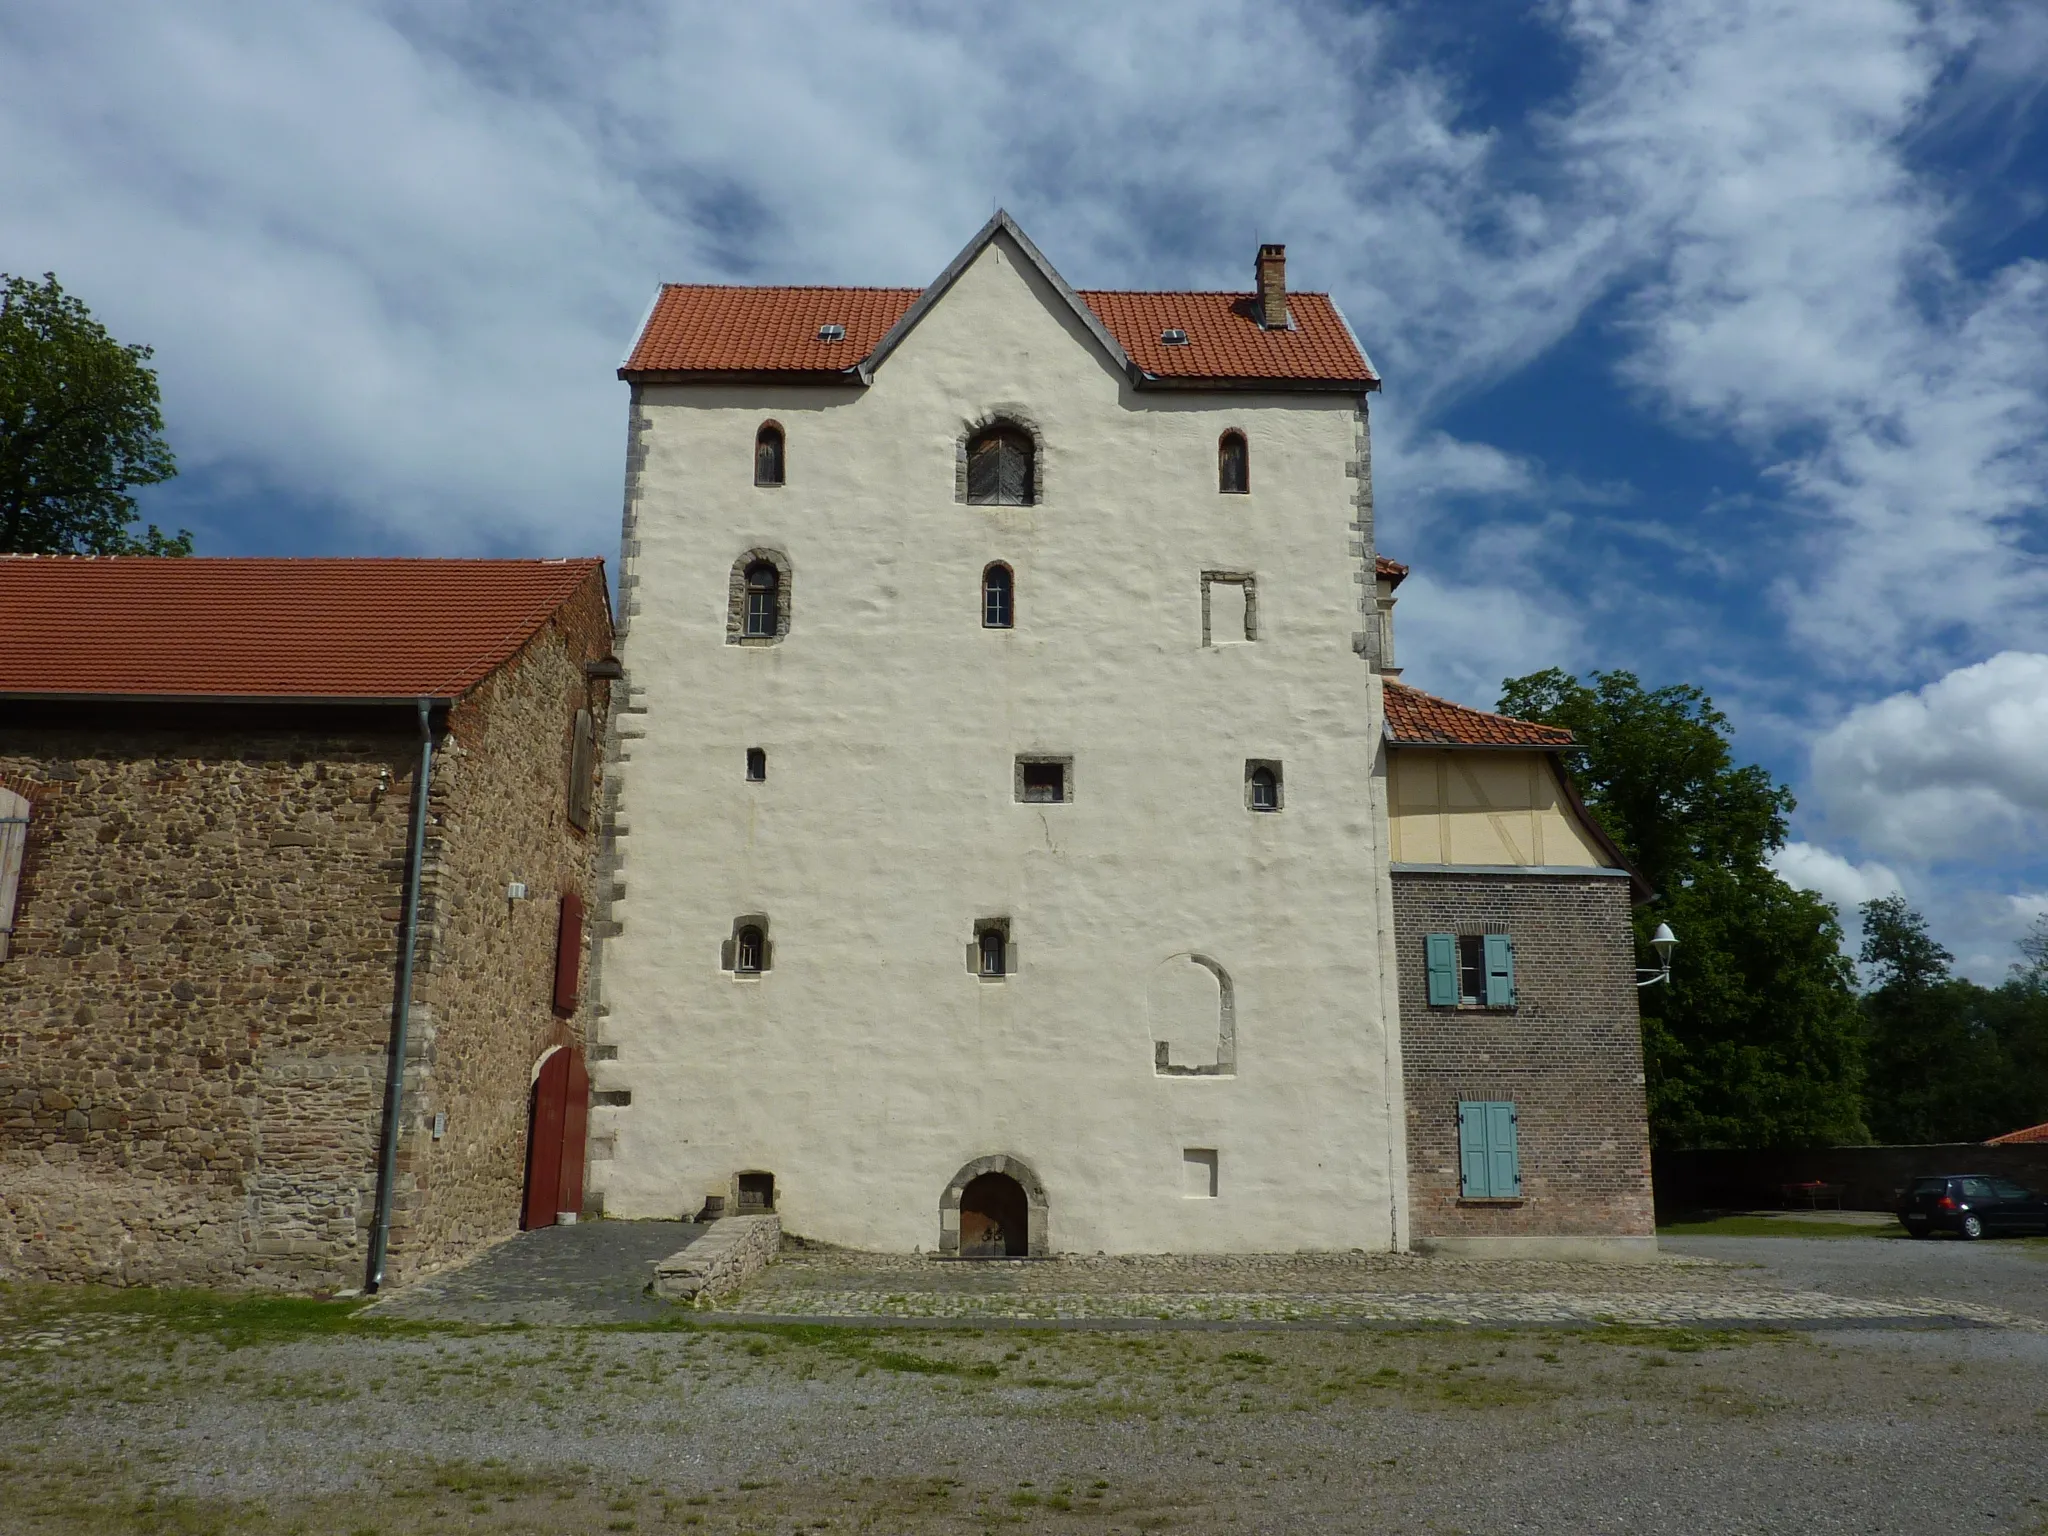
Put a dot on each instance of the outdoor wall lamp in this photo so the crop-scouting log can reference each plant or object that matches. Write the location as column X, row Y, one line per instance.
column 1663, row 942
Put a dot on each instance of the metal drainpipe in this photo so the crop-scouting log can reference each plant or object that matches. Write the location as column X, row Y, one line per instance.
column 401, row 1007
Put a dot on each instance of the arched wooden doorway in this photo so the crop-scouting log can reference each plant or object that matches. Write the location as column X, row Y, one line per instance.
column 995, row 1219
column 556, row 1126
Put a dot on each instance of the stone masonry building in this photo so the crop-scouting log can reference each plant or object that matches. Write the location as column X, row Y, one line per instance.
column 208, row 772
column 1004, row 861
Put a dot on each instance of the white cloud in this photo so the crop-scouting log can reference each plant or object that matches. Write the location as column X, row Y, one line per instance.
column 1843, row 885
column 1955, row 770
column 1460, row 641
column 1802, row 300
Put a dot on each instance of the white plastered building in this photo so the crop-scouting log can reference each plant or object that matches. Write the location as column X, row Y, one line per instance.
column 1058, row 915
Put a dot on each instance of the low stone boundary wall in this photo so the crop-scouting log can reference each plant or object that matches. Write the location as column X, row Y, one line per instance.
column 722, row 1260
column 1870, row 1177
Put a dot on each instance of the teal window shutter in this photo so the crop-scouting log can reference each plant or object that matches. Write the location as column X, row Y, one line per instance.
column 1489, row 1160
column 1504, row 1158
column 1500, row 971
column 1442, row 952
column 1473, row 1170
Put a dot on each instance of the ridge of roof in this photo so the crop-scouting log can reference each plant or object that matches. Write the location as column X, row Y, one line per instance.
column 1418, row 719
column 703, row 330
column 341, row 630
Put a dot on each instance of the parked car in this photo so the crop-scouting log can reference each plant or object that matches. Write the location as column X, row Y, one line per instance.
column 1971, row 1205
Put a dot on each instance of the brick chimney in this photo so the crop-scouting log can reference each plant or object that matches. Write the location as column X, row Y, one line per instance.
column 1273, row 287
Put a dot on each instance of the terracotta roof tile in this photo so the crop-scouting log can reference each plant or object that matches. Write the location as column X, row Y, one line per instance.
column 705, row 327
column 2032, row 1133
column 231, row 628
column 1418, row 719
column 1389, row 570
column 1226, row 341
column 708, row 328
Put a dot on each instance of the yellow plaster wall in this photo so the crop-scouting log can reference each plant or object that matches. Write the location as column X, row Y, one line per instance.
column 1483, row 808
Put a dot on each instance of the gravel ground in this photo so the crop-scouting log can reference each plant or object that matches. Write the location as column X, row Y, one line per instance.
column 2003, row 1273
column 127, row 1413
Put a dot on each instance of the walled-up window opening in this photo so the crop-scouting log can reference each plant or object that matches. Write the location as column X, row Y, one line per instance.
column 1233, row 464
column 14, row 811
column 582, row 770
column 1262, row 786
column 768, row 454
column 569, row 954
column 764, row 600
column 757, row 765
column 749, row 951
column 1000, row 467
column 998, row 594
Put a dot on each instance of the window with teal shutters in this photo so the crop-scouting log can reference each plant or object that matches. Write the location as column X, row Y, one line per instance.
column 1441, row 952
column 1500, row 971
column 1489, row 1161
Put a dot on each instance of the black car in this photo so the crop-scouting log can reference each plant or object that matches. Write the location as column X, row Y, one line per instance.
column 1971, row 1205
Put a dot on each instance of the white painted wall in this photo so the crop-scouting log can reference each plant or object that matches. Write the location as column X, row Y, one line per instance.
column 869, row 1064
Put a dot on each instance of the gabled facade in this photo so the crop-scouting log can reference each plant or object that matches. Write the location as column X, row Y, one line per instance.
column 1000, row 859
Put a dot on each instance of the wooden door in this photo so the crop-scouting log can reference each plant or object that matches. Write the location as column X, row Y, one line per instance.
column 557, row 1127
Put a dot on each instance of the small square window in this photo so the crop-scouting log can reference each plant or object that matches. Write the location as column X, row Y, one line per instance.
column 1043, row 780
column 757, row 765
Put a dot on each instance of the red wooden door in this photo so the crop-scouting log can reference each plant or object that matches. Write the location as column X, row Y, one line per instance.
column 554, row 1142
column 575, row 1119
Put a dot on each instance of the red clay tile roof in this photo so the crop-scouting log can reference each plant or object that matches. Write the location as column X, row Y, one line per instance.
column 1225, row 339
column 2015, row 1138
column 1389, row 570
column 1418, row 719
column 704, row 327
column 270, row 629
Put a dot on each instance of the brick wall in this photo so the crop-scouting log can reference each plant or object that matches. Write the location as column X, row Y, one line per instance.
column 195, row 1016
column 1569, row 1055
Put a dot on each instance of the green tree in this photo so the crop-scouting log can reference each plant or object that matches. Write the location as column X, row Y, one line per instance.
column 1758, row 1039
column 1948, row 1060
column 80, row 425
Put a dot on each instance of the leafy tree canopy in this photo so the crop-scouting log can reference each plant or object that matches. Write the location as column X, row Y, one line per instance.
column 80, row 424
column 1757, row 1041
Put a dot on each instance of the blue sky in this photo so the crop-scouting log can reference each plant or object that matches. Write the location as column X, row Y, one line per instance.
column 1715, row 331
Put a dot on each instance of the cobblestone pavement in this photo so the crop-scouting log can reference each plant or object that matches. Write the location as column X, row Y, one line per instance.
column 591, row 1272
column 597, row 1272
column 1305, row 1288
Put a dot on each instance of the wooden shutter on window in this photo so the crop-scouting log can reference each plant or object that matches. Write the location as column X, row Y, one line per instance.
column 1441, row 952
column 985, row 471
column 14, row 811
column 569, row 954
column 1489, row 1159
column 1016, row 472
column 1500, row 971
column 582, row 771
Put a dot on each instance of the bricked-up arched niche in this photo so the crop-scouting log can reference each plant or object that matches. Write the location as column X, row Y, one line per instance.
column 1191, row 1007
column 558, row 1119
column 989, row 1198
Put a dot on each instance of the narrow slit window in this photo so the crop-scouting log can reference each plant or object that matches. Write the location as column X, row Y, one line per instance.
column 749, row 950
column 1233, row 464
column 768, row 455
column 998, row 597
column 764, row 600
column 1000, row 468
column 757, row 765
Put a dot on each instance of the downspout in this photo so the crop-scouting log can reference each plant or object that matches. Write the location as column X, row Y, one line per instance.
column 401, row 1007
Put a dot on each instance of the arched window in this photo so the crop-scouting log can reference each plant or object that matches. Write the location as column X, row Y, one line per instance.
column 1000, row 468
column 764, row 601
column 1233, row 464
column 990, row 943
column 998, row 597
column 748, row 951
column 1265, row 790
column 768, row 454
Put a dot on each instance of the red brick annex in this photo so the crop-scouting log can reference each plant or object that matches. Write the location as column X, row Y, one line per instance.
column 212, row 851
